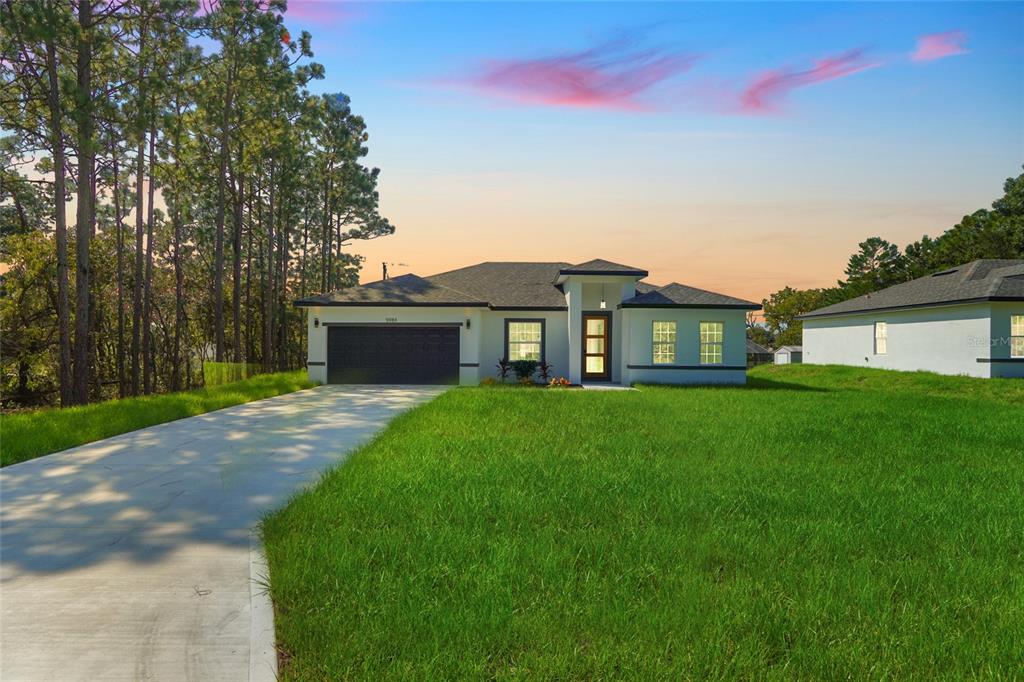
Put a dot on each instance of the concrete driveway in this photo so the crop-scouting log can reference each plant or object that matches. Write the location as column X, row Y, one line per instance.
column 134, row 557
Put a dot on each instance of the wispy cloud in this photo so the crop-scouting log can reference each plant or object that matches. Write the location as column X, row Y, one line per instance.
column 614, row 75
column 939, row 45
column 318, row 11
column 766, row 92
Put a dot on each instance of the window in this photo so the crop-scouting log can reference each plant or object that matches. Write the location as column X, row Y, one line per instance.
column 1017, row 336
column 881, row 337
column 525, row 339
column 711, row 335
column 664, row 343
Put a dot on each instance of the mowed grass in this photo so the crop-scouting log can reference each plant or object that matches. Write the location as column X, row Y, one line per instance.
column 27, row 435
column 822, row 522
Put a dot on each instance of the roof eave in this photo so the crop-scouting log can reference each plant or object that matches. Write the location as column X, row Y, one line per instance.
column 914, row 306
column 306, row 303
column 735, row 306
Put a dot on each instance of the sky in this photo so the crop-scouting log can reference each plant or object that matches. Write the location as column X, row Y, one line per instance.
column 734, row 147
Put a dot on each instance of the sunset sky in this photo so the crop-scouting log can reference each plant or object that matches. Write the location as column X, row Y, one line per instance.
column 735, row 147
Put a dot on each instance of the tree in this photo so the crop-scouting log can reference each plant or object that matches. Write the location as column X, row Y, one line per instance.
column 783, row 307
column 876, row 265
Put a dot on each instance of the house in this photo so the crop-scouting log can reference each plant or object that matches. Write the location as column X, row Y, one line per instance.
column 757, row 354
column 964, row 320
column 593, row 321
column 787, row 355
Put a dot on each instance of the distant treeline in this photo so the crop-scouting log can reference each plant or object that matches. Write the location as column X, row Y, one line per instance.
column 987, row 233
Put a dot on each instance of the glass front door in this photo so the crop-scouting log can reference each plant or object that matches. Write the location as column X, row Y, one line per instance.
column 596, row 364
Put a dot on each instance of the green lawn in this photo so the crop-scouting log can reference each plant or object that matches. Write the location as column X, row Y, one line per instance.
column 819, row 523
column 27, row 435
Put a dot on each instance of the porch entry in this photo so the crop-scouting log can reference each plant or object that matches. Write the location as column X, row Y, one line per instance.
column 597, row 346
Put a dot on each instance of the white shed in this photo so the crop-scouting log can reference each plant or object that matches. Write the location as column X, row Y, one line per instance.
column 787, row 355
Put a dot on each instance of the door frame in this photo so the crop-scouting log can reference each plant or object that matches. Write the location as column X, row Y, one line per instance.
column 607, row 376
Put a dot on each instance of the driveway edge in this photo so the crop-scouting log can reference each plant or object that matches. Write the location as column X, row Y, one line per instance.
column 262, row 645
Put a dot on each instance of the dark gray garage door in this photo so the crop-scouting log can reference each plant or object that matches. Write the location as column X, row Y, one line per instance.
column 392, row 355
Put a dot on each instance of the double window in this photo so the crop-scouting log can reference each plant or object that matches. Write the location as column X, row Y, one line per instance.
column 881, row 338
column 1017, row 336
column 525, row 340
column 711, row 337
column 663, row 350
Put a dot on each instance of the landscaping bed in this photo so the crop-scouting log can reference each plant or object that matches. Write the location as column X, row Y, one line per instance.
column 818, row 523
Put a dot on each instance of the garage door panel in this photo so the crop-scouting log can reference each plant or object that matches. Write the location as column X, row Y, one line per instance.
column 392, row 355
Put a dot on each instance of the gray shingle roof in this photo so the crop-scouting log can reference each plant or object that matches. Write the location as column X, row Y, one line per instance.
column 402, row 290
column 599, row 266
column 980, row 280
column 755, row 348
column 510, row 286
column 677, row 295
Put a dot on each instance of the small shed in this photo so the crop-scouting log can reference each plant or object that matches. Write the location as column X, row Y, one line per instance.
column 787, row 355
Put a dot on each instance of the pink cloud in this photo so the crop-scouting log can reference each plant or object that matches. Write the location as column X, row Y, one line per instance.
column 611, row 76
column 770, row 88
column 938, row 45
column 317, row 11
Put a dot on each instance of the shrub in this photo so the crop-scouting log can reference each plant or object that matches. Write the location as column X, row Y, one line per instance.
column 544, row 371
column 524, row 369
column 489, row 381
column 504, row 367
column 559, row 382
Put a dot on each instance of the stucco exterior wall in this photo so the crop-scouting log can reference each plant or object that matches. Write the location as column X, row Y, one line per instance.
column 638, row 332
column 556, row 338
column 946, row 340
column 999, row 340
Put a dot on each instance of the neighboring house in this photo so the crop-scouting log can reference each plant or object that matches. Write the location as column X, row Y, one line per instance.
column 964, row 320
column 757, row 354
column 788, row 355
column 595, row 321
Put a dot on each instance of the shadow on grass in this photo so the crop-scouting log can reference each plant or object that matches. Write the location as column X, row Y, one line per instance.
column 758, row 383
column 773, row 385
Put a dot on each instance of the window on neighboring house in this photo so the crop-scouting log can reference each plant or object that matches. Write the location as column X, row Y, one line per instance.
column 881, row 338
column 525, row 340
column 664, row 343
column 711, row 335
column 1017, row 336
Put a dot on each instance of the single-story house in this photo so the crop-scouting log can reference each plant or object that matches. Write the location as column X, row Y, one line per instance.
column 594, row 321
column 786, row 355
column 757, row 354
column 964, row 320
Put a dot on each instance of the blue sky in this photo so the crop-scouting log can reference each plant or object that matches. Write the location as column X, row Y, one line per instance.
column 689, row 174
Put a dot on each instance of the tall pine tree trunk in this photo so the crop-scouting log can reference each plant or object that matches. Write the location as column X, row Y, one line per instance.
column 237, row 253
column 60, row 224
column 147, row 306
column 268, row 328
column 86, row 168
column 218, row 258
column 121, row 388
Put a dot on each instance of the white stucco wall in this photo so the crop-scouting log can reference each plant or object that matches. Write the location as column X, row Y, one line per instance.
column 999, row 340
column 638, row 331
column 556, row 338
column 946, row 340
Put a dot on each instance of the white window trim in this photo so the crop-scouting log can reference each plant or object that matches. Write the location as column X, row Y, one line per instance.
column 509, row 343
column 884, row 338
column 712, row 344
column 656, row 344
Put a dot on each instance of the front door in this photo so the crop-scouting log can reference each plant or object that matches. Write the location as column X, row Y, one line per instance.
column 596, row 347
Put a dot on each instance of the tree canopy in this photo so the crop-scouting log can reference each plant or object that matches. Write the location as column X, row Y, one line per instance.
column 169, row 184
